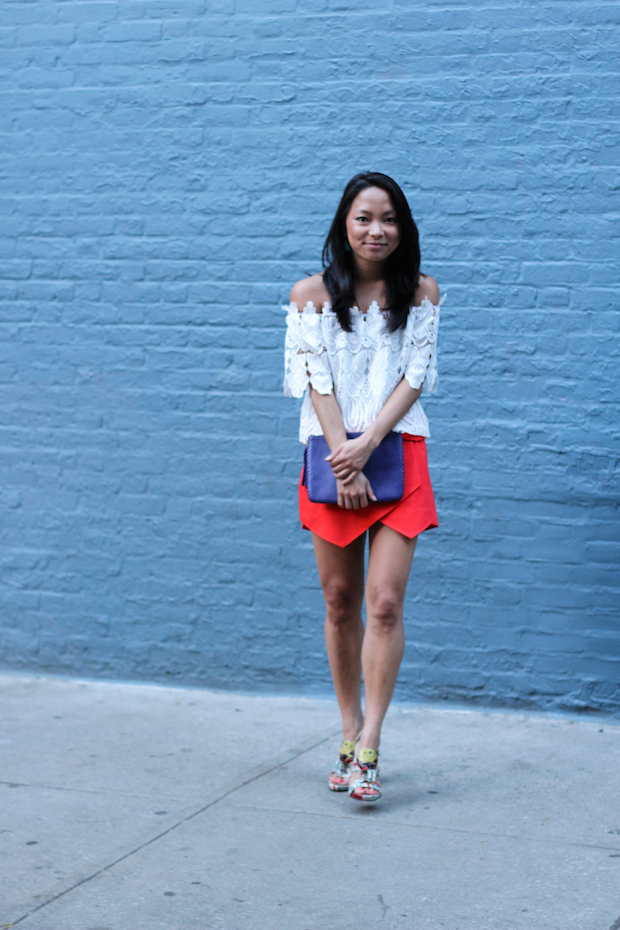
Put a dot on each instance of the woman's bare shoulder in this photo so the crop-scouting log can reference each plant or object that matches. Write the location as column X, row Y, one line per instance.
column 310, row 290
column 427, row 287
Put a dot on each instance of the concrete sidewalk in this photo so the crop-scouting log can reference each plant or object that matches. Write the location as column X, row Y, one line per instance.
column 137, row 807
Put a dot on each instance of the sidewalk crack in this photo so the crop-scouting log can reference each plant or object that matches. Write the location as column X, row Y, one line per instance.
column 132, row 852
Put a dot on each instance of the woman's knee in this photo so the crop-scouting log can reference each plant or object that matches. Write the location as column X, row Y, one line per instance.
column 385, row 608
column 341, row 604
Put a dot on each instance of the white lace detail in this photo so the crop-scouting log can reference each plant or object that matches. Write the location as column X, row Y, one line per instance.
column 362, row 367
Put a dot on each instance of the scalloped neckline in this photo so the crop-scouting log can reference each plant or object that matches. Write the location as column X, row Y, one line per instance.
column 372, row 307
column 327, row 306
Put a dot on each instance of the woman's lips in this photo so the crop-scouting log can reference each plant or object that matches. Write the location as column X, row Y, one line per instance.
column 375, row 246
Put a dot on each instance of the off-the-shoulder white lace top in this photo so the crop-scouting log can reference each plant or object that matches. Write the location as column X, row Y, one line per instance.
column 362, row 367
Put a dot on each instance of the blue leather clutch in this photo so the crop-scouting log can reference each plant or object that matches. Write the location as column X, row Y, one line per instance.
column 385, row 469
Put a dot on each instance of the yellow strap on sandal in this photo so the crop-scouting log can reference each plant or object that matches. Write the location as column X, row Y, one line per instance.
column 368, row 757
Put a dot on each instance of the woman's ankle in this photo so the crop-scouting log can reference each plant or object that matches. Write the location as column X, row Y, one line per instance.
column 351, row 730
column 369, row 739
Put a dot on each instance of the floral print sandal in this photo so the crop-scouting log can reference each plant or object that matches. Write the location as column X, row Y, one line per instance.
column 338, row 779
column 366, row 787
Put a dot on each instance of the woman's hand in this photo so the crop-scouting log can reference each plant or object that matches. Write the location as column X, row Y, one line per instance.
column 349, row 458
column 355, row 493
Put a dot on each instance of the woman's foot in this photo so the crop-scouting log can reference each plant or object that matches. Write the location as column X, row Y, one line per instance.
column 364, row 784
column 338, row 779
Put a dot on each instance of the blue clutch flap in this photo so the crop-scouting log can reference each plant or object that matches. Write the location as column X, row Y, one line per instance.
column 385, row 469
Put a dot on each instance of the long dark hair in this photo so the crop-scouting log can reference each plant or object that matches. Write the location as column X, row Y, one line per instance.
column 402, row 271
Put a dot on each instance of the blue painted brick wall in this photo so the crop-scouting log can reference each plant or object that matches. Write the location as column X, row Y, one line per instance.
column 169, row 168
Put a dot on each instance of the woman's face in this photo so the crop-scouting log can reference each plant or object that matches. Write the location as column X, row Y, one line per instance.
column 372, row 227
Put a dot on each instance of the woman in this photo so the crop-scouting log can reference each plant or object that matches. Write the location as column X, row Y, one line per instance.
column 360, row 344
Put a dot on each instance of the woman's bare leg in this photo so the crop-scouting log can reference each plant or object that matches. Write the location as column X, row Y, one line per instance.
column 384, row 641
column 341, row 572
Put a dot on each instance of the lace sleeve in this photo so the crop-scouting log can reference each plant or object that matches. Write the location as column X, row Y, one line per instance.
column 421, row 367
column 305, row 355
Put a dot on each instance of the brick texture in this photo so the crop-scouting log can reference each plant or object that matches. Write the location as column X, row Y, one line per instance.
column 168, row 170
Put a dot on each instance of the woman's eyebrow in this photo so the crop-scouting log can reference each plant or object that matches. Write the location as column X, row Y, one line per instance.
column 369, row 212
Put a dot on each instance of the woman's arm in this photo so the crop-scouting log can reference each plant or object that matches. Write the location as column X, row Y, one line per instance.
column 330, row 418
column 357, row 492
column 350, row 455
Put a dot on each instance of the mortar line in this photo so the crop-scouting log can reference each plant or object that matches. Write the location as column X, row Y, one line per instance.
column 154, row 839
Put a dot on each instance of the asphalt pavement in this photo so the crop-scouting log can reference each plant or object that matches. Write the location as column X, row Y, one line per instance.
column 140, row 807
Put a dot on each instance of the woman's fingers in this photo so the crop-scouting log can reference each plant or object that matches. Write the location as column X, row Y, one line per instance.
column 346, row 462
column 352, row 477
column 342, row 468
column 349, row 456
column 347, row 501
column 352, row 498
column 343, row 472
column 355, row 493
